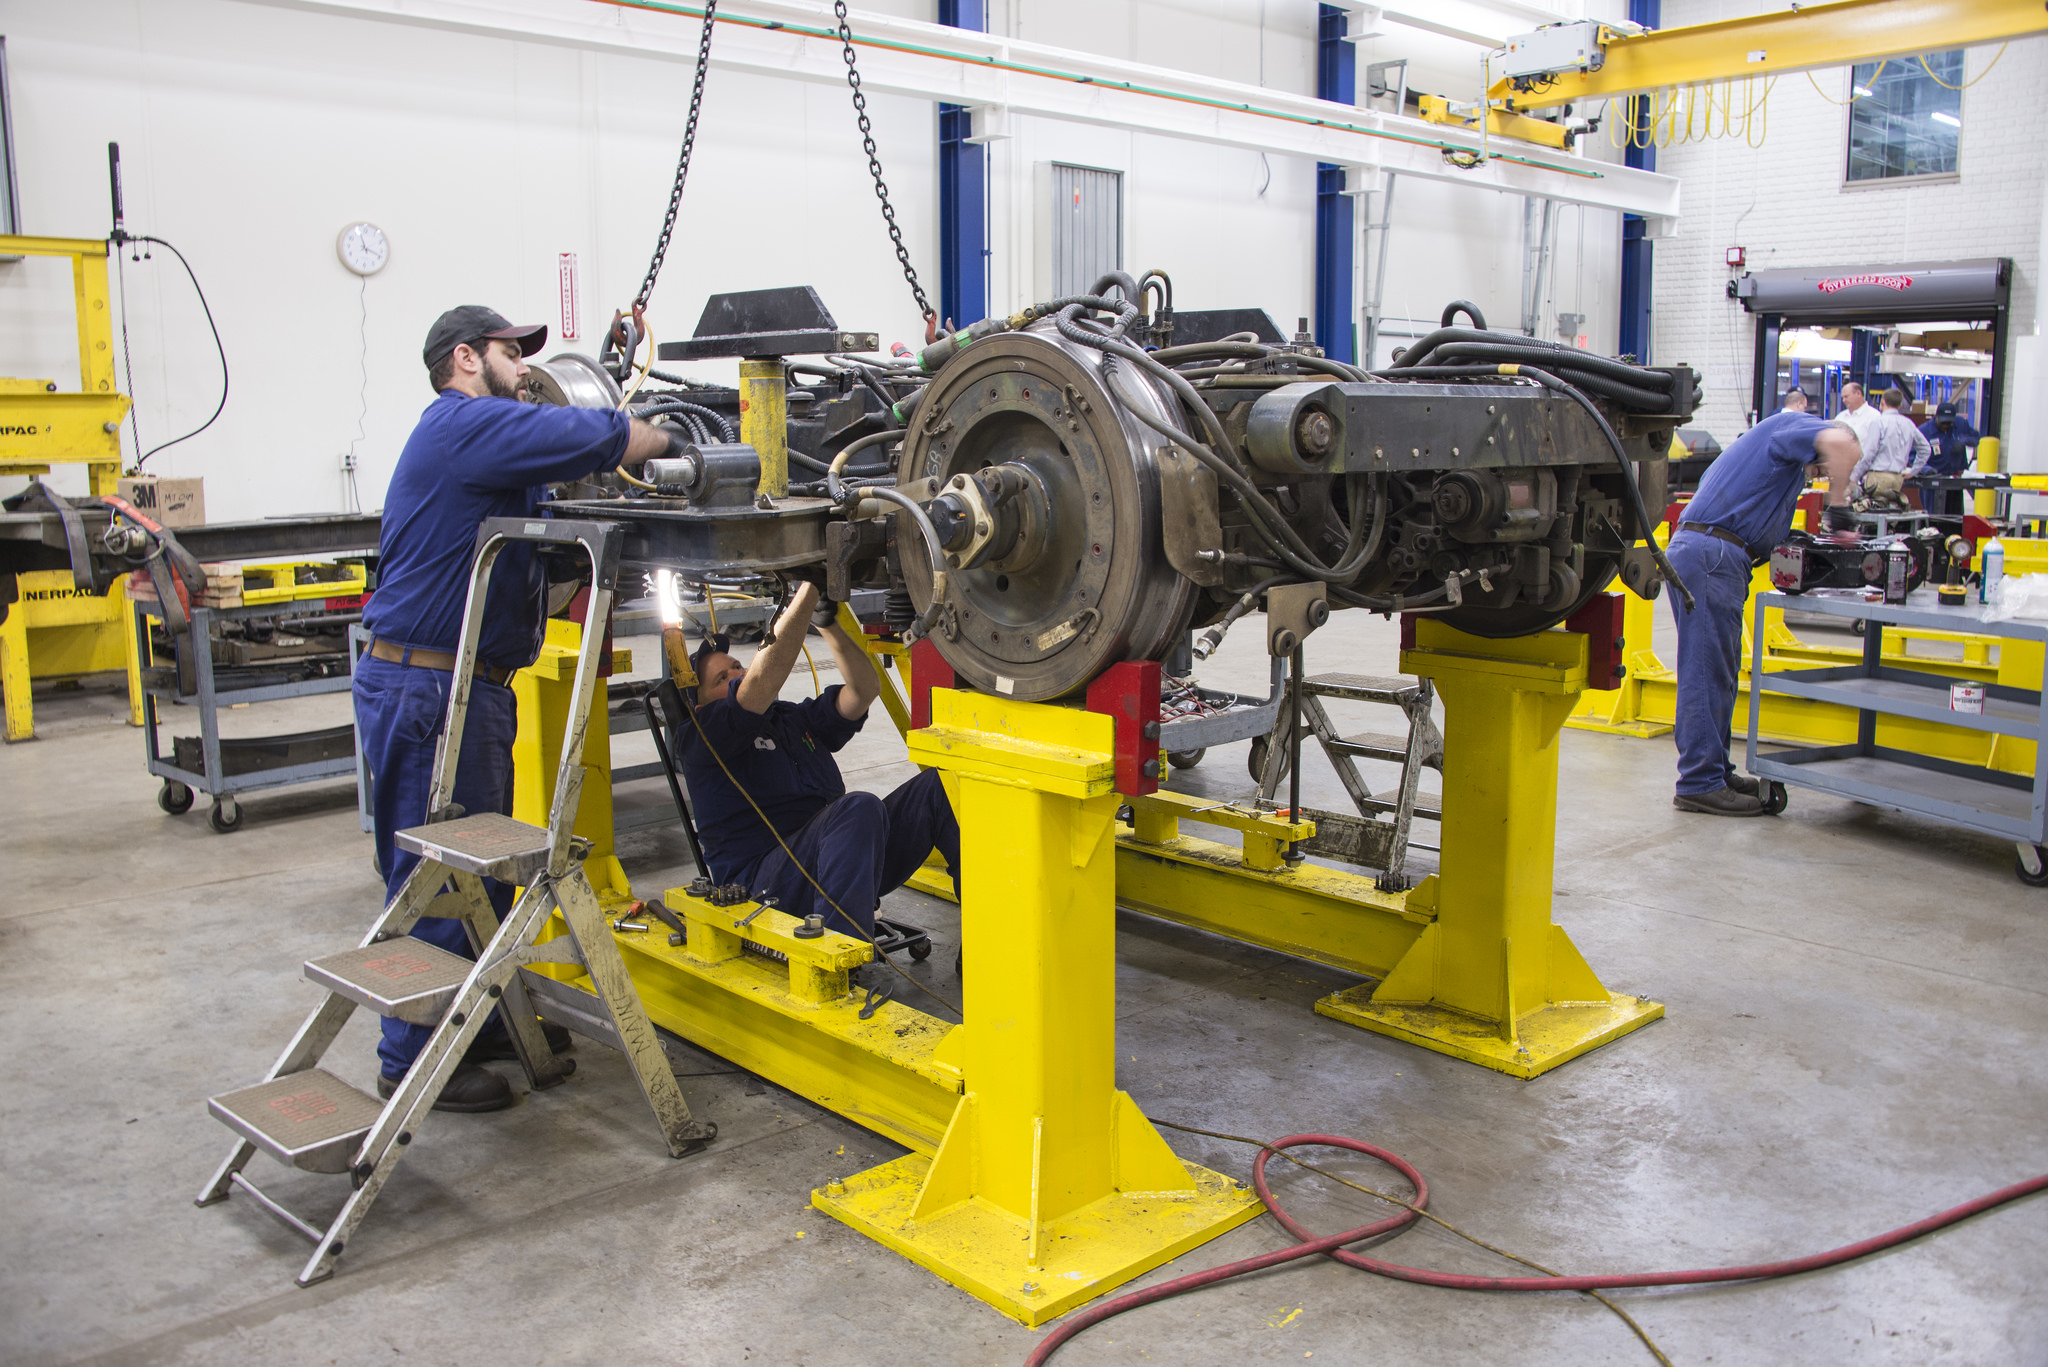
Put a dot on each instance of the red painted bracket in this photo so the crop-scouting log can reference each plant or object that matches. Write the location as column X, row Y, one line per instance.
column 1128, row 694
column 578, row 611
column 1601, row 622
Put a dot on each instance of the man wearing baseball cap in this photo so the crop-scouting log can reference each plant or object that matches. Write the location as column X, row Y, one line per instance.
column 1953, row 439
column 478, row 452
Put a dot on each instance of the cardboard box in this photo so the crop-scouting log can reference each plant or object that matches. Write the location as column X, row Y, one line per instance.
column 172, row 502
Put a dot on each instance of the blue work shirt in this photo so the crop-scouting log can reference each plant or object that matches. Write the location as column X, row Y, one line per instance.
column 1753, row 486
column 1949, row 456
column 783, row 757
column 470, row 459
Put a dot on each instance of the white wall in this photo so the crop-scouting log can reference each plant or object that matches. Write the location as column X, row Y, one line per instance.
column 1787, row 204
column 252, row 133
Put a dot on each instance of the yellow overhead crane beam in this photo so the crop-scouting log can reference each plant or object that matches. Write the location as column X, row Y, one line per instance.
column 1802, row 38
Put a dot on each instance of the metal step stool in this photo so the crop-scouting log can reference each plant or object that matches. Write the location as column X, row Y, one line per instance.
column 307, row 1118
column 1362, row 839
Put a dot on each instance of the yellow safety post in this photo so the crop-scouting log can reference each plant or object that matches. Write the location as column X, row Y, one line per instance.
column 40, row 427
column 55, row 630
column 1050, row 1186
column 764, row 420
column 1985, row 501
column 1494, row 980
column 542, row 692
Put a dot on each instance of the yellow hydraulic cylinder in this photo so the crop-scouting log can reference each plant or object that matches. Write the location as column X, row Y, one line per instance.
column 1050, row 1186
column 1494, row 980
column 764, row 420
column 1986, row 500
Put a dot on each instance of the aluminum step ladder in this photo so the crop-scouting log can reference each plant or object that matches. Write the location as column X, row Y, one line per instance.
column 306, row 1117
column 1364, row 839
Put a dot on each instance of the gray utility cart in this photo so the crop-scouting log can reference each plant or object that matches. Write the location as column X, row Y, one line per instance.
column 2006, row 805
column 224, row 768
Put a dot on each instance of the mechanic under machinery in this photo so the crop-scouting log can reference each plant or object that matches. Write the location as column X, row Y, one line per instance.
column 1088, row 480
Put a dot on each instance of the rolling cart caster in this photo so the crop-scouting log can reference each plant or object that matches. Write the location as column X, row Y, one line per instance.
column 1776, row 797
column 226, row 815
column 2031, row 866
column 1255, row 760
column 174, row 797
column 1186, row 759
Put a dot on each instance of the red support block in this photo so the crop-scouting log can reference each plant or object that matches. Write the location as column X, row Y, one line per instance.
column 1601, row 622
column 928, row 670
column 1128, row 694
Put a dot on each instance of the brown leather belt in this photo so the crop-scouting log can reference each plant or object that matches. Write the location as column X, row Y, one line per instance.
column 1704, row 528
column 434, row 659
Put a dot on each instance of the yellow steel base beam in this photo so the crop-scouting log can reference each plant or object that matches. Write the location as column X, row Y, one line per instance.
column 1500, row 123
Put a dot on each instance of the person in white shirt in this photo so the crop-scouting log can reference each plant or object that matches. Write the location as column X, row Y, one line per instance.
column 1856, row 415
column 1894, row 452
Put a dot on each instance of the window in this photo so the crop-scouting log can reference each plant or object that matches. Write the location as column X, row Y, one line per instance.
column 1905, row 118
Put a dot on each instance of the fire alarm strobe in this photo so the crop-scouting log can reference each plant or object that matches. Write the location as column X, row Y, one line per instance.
column 1736, row 258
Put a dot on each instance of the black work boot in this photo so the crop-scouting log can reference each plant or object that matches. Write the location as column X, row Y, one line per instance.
column 1723, row 801
column 471, row 1088
column 496, row 1047
column 1741, row 783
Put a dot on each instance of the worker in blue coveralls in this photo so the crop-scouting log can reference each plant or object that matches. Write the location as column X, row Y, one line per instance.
column 478, row 452
column 772, row 809
column 1742, row 510
column 1953, row 438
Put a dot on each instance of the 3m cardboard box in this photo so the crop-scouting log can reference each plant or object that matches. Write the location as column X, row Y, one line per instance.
column 173, row 502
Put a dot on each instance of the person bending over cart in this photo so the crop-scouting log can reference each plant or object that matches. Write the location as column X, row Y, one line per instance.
column 1743, row 508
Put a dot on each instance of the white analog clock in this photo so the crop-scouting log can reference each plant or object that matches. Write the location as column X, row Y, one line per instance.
column 363, row 248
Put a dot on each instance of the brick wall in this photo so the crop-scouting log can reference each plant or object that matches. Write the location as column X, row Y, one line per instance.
column 1786, row 202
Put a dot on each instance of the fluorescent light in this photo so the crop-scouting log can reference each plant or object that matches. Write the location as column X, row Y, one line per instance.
column 1951, row 120
column 1860, row 89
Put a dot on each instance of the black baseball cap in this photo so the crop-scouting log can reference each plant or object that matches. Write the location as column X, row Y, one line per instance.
column 473, row 323
column 1947, row 410
column 712, row 644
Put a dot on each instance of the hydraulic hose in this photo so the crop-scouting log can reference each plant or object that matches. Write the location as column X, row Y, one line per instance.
column 839, row 462
column 923, row 625
column 1186, row 392
column 1632, row 384
column 1333, row 1246
column 666, row 405
column 1466, row 307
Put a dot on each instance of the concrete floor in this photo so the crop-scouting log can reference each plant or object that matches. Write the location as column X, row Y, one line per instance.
column 1855, row 1004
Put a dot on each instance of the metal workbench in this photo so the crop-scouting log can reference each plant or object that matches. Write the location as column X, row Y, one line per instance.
column 1997, row 803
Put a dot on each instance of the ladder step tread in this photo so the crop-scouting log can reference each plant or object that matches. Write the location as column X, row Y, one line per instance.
column 1426, row 804
column 405, row 978
column 1375, row 745
column 311, row 1120
column 489, row 843
column 1394, row 689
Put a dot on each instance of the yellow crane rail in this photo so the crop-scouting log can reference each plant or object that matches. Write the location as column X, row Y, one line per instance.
column 1802, row 38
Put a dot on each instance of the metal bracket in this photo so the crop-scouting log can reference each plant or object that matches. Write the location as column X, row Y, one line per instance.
column 1292, row 612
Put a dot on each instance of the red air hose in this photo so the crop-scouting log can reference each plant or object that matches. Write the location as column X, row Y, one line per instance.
column 1333, row 1245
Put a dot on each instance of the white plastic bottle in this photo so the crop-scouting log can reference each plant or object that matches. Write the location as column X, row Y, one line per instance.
column 1991, row 570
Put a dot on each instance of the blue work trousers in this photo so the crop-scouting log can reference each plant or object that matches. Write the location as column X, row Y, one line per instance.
column 1709, row 655
column 399, row 713
column 860, row 847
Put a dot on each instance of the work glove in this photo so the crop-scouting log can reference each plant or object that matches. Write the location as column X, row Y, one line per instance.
column 1839, row 518
column 826, row 614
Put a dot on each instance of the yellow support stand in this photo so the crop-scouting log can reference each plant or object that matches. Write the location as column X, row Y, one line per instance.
column 1050, row 1186
column 40, row 427
column 1493, row 980
column 1985, row 501
column 53, row 630
column 543, row 691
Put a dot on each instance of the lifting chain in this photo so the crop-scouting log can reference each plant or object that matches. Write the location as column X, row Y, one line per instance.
column 867, row 142
column 675, row 194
